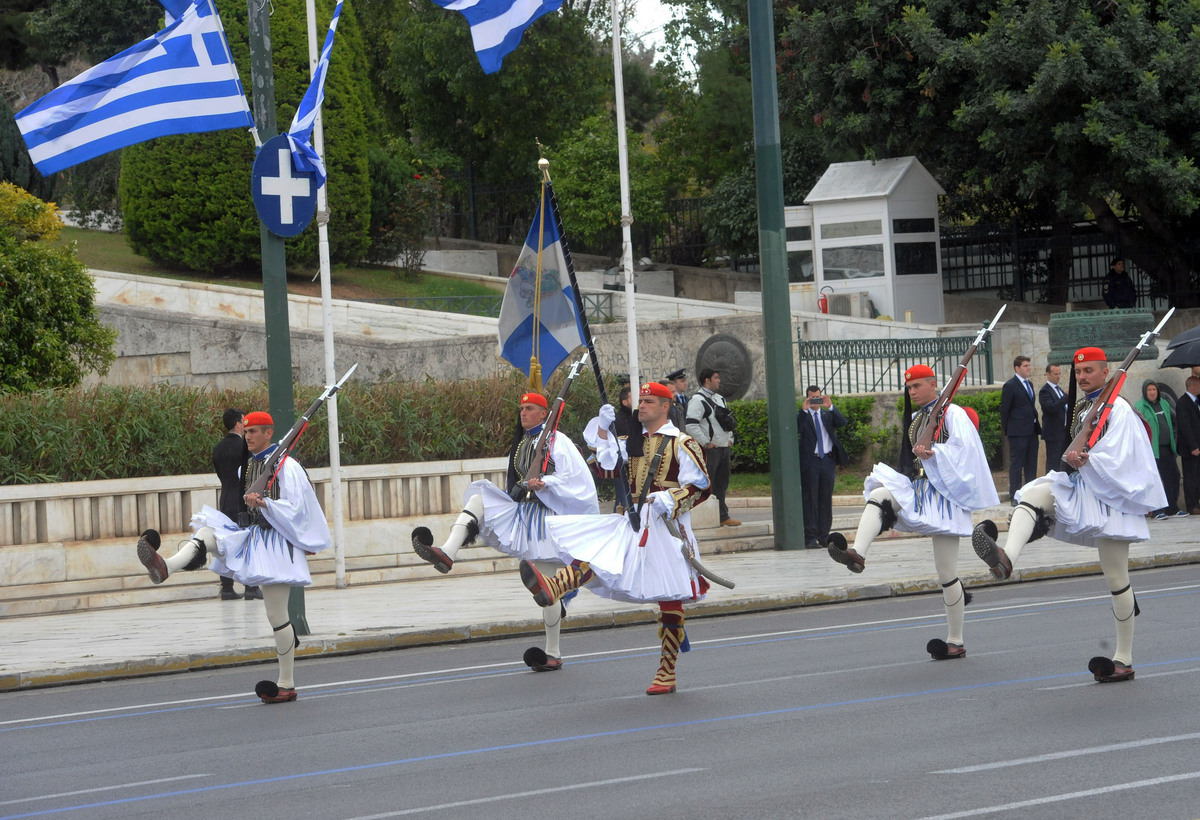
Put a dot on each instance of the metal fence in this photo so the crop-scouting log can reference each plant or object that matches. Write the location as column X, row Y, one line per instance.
column 868, row 365
column 1015, row 264
column 599, row 306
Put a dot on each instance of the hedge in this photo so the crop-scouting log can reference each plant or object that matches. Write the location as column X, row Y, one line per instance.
column 126, row 432
column 861, row 438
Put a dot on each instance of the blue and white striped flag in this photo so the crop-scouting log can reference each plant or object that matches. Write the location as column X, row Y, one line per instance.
column 539, row 321
column 299, row 133
column 180, row 81
column 497, row 25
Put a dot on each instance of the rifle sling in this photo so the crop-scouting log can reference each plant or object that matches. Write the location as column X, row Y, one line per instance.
column 654, row 462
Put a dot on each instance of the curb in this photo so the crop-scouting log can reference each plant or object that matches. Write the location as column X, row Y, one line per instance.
column 352, row 645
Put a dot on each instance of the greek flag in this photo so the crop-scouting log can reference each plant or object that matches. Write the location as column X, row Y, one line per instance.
column 497, row 25
column 299, row 134
column 180, row 81
column 174, row 8
column 539, row 323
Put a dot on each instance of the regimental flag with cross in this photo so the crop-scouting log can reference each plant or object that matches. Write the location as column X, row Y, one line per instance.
column 539, row 317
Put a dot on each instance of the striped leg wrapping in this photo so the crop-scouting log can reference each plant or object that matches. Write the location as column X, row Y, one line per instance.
column 670, row 632
column 568, row 578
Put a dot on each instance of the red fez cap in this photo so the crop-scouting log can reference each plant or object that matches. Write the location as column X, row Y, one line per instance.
column 535, row 398
column 972, row 415
column 258, row 419
column 918, row 371
column 656, row 389
column 1090, row 354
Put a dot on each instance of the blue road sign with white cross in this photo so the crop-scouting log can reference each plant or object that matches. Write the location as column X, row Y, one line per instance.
column 286, row 199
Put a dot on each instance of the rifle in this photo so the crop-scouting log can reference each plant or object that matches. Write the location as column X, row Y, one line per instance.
column 266, row 480
column 541, row 446
column 1092, row 425
column 938, row 415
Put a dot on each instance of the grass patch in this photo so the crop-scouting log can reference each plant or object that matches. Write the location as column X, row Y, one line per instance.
column 750, row 485
column 103, row 250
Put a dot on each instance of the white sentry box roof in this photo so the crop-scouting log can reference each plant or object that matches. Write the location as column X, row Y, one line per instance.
column 868, row 180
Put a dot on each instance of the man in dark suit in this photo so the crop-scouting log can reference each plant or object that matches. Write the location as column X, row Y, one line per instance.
column 229, row 457
column 1019, row 422
column 1054, row 417
column 820, row 453
column 677, row 381
column 1187, row 412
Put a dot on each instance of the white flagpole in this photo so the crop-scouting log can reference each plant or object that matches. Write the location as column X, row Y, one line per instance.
column 335, row 458
column 626, row 215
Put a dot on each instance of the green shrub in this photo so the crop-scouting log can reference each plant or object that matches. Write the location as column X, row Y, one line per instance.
column 186, row 200
column 752, row 447
column 50, row 335
column 125, row 432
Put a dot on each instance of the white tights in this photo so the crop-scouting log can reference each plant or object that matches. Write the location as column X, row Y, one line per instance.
column 945, row 560
column 275, row 596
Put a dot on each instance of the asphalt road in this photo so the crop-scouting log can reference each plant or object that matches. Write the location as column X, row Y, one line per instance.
column 824, row 712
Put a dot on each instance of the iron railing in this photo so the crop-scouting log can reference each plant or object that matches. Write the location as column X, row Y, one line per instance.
column 868, row 365
column 599, row 306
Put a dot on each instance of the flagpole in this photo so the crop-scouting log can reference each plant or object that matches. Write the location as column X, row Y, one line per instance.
column 623, row 495
column 626, row 210
column 335, row 459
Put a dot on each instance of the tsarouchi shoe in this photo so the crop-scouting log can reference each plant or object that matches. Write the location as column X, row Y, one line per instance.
column 983, row 539
column 839, row 551
column 1106, row 670
column 535, row 582
column 269, row 692
column 537, row 660
column 939, row 650
column 422, row 542
column 147, row 553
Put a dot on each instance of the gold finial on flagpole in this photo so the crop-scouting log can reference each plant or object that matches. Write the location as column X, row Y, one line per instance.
column 543, row 163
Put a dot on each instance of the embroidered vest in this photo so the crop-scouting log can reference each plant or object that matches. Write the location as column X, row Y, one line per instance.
column 921, row 420
column 250, row 473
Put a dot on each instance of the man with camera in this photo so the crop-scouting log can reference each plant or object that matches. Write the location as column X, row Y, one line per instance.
column 820, row 454
column 710, row 422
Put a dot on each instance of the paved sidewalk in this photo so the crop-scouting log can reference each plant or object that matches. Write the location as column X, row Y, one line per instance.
column 46, row 650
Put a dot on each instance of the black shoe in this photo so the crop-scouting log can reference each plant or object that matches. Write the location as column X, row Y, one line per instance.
column 939, row 650
column 983, row 539
column 253, row 594
column 229, row 594
column 843, row 554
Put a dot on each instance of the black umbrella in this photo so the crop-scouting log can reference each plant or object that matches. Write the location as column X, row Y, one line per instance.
column 1178, row 339
column 1185, row 355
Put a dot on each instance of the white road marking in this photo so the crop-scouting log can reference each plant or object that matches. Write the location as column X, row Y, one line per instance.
column 535, row 793
column 1059, row 798
column 975, row 611
column 1140, row 676
column 1091, row 750
column 103, row 789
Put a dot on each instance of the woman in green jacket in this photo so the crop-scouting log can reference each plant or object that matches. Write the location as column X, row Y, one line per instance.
column 1157, row 414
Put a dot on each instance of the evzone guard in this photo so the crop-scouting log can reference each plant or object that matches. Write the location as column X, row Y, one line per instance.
column 1101, row 500
column 945, row 476
column 284, row 524
column 547, row 476
column 637, row 557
